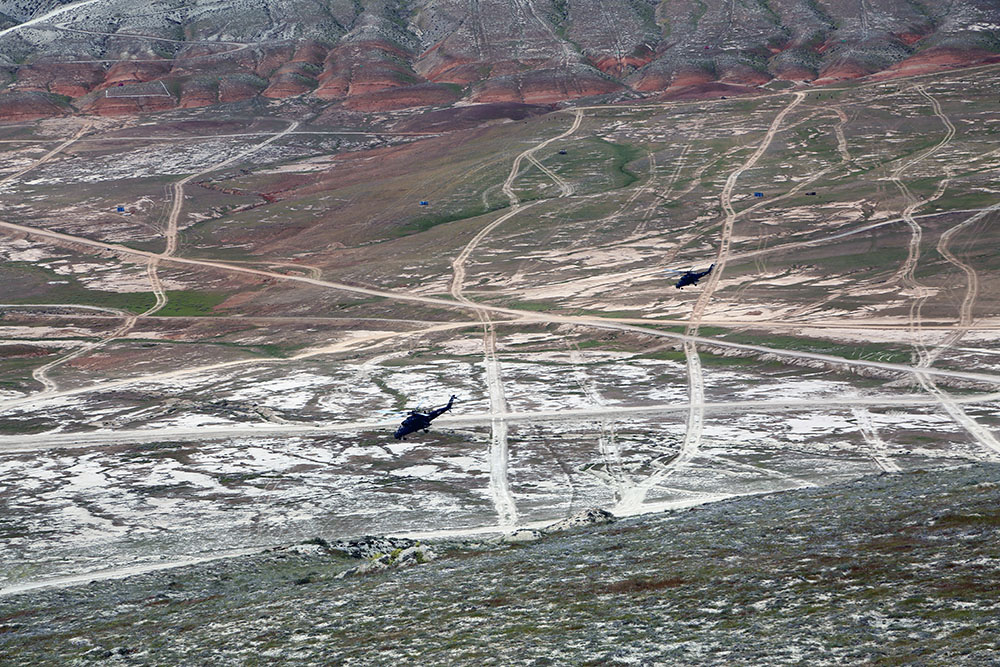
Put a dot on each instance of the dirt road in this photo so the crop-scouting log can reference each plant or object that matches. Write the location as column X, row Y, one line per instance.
column 634, row 499
column 499, row 454
column 19, row 444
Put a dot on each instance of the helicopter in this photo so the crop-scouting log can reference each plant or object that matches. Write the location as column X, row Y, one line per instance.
column 420, row 421
column 691, row 277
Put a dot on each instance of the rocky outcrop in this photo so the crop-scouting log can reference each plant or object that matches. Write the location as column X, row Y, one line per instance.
column 370, row 546
column 589, row 517
column 361, row 68
column 69, row 79
column 298, row 75
column 523, row 536
column 381, row 554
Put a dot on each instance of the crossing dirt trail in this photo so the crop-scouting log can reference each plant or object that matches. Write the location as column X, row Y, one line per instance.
column 906, row 276
column 612, row 472
column 48, row 156
column 499, row 452
column 965, row 318
column 152, row 264
column 40, row 374
column 18, row 444
column 47, row 16
column 178, row 187
column 696, row 381
column 877, row 448
column 636, row 325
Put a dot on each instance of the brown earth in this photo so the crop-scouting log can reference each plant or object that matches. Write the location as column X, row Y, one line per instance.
column 198, row 93
column 101, row 105
column 934, row 60
column 23, row 351
column 456, row 118
column 371, row 57
column 406, row 97
column 29, row 105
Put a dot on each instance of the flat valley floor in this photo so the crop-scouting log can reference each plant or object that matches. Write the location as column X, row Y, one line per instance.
column 213, row 320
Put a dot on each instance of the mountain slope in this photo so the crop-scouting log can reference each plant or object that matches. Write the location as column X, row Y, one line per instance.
column 394, row 54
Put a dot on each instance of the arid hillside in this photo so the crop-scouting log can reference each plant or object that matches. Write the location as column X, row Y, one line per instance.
column 108, row 57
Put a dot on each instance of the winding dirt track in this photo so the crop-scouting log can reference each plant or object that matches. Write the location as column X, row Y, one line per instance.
column 499, row 452
column 644, row 327
column 638, row 326
column 965, row 319
column 178, row 187
column 48, row 15
column 41, row 373
column 696, row 381
column 906, row 275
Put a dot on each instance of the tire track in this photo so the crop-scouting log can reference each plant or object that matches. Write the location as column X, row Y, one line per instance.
column 613, row 474
column 48, row 156
column 793, row 481
column 617, row 323
column 696, row 381
column 19, row 444
column 564, row 187
column 845, row 155
column 178, row 187
column 980, row 434
column 877, row 448
column 499, row 451
column 40, row 374
column 614, row 324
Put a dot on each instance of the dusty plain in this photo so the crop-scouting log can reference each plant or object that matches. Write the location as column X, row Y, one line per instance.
column 219, row 367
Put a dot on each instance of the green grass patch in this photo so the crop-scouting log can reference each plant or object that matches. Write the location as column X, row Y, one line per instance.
column 23, row 426
column 622, row 155
column 40, row 285
column 190, row 303
column 398, row 397
column 426, row 222
column 534, row 306
column 872, row 351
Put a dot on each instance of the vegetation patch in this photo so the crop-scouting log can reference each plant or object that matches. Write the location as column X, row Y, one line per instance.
column 191, row 303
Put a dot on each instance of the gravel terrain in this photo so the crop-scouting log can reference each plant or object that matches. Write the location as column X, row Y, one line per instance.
column 886, row 569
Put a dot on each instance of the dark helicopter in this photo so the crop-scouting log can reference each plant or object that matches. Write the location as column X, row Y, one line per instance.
column 419, row 421
column 692, row 277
